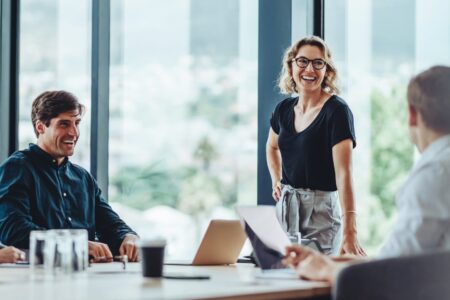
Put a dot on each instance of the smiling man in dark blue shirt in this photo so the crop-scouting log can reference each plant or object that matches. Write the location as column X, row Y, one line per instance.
column 41, row 189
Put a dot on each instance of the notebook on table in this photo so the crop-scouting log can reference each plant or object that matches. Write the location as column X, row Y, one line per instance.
column 220, row 245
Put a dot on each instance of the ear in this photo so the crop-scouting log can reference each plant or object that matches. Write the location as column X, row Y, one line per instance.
column 40, row 127
column 413, row 116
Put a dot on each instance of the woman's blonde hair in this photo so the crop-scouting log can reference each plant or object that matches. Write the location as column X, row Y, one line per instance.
column 285, row 81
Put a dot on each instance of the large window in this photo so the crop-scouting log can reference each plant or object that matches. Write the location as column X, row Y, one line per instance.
column 183, row 114
column 183, row 99
column 378, row 46
column 55, row 55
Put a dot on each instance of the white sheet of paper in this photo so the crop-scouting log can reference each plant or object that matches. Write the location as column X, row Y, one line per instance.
column 263, row 221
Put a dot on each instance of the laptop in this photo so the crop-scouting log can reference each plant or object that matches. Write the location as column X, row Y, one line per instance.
column 269, row 241
column 220, row 245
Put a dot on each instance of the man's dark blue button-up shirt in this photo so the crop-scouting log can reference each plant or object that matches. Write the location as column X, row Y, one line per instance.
column 37, row 194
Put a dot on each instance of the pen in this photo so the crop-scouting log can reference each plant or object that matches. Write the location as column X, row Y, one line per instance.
column 119, row 258
column 188, row 277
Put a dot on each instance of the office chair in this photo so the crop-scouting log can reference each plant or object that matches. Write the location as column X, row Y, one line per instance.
column 425, row 276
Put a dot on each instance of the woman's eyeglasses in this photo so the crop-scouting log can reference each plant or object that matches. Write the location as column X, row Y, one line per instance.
column 303, row 62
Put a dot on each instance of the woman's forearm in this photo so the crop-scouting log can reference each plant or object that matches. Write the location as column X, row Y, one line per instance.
column 273, row 157
column 345, row 190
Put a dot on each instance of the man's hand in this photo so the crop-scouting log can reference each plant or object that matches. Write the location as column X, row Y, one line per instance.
column 295, row 254
column 11, row 255
column 311, row 264
column 129, row 247
column 100, row 252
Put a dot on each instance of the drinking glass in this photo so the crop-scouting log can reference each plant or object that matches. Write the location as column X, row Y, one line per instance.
column 63, row 251
column 80, row 256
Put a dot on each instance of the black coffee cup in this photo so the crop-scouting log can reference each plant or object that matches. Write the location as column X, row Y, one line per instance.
column 152, row 258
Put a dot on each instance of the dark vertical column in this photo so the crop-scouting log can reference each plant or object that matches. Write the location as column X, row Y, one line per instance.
column 274, row 38
column 9, row 76
column 100, row 92
column 318, row 18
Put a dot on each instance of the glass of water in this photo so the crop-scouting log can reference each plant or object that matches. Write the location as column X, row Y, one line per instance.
column 295, row 237
column 80, row 256
column 41, row 249
column 62, row 262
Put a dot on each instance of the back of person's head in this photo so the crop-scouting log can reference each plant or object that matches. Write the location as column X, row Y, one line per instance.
column 429, row 94
column 286, row 82
column 50, row 104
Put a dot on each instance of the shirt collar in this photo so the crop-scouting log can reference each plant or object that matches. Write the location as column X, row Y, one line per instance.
column 45, row 157
column 433, row 150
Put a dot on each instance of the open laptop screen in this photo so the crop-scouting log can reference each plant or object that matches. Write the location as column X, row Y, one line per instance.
column 268, row 239
column 265, row 257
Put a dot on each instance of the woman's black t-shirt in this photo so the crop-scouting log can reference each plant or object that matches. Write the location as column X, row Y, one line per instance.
column 307, row 159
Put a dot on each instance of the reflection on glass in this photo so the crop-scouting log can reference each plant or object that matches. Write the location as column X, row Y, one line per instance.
column 55, row 55
column 183, row 114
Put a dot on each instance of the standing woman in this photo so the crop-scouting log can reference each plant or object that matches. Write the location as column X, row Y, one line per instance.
column 309, row 151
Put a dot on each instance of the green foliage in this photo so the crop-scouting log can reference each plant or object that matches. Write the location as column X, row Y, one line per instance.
column 229, row 194
column 392, row 152
column 217, row 109
column 199, row 194
column 193, row 189
column 142, row 187
column 198, row 186
column 206, row 152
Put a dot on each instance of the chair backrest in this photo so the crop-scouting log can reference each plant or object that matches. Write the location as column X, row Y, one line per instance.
column 425, row 276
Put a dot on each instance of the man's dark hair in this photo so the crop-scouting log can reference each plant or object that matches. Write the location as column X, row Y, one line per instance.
column 50, row 104
column 429, row 93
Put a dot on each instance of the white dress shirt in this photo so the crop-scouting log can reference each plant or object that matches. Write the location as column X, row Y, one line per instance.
column 423, row 205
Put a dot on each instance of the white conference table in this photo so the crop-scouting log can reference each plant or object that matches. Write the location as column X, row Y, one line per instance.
column 110, row 281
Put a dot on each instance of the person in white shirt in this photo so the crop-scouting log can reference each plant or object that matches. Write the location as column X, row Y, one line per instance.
column 423, row 202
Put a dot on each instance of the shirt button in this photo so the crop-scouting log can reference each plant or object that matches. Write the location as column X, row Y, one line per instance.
column 69, row 219
column 64, row 194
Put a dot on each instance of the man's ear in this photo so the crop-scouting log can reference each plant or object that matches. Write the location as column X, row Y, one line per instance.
column 413, row 116
column 40, row 127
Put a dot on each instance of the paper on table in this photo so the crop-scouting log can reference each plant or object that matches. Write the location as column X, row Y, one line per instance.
column 263, row 221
